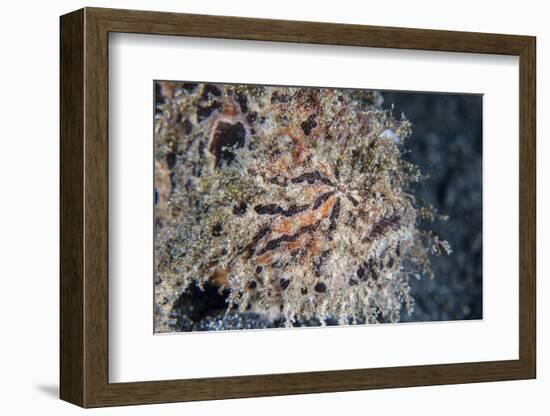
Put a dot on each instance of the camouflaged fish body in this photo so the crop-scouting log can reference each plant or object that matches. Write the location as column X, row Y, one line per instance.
column 295, row 200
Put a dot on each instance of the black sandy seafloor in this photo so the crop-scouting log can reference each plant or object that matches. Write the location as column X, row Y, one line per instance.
column 446, row 145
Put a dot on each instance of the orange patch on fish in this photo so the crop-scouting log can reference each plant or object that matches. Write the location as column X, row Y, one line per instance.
column 294, row 245
column 314, row 247
column 300, row 151
column 264, row 259
column 327, row 207
column 284, row 227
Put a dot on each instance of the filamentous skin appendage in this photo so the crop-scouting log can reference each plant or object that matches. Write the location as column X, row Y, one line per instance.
column 295, row 201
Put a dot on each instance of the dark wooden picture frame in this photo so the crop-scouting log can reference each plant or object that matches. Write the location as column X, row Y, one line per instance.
column 84, row 207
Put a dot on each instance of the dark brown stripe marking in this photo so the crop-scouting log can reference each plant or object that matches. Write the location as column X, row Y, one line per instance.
column 322, row 198
column 311, row 177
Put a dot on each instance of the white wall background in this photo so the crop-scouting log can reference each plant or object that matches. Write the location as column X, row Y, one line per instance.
column 29, row 57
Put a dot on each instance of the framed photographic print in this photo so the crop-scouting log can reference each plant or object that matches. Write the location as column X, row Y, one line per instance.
column 260, row 207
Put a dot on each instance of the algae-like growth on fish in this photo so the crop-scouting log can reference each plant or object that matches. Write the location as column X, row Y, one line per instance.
column 293, row 204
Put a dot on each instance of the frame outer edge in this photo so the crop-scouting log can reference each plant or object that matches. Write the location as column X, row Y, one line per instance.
column 72, row 343
column 96, row 209
column 528, row 208
column 84, row 201
column 301, row 31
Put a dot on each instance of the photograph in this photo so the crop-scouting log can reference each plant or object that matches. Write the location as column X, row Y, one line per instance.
column 296, row 206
